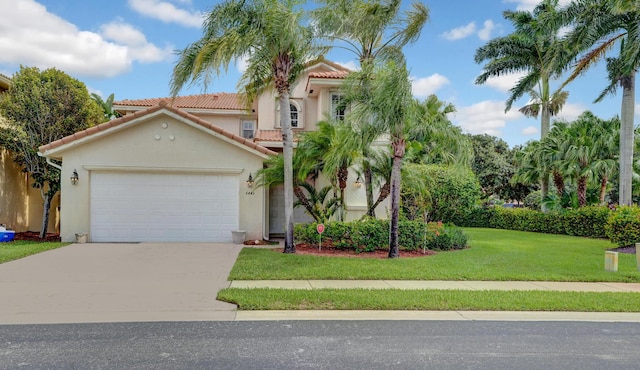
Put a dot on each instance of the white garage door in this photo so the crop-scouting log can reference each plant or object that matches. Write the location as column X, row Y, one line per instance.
column 145, row 207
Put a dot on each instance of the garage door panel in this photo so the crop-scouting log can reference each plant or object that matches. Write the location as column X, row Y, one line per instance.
column 128, row 207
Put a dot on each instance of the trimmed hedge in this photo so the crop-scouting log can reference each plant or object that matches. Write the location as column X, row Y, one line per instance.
column 587, row 221
column 373, row 234
column 623, row 227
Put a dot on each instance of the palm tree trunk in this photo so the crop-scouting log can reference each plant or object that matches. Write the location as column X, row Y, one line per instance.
column 45, row 215
column 398, row 145
column 545, row 125
column 287, row 150
column 385, row 190
column 368, row 185
column 626, row 138
column 582, row 191
column 603, row 188
column 558, row 181
column 297, row 190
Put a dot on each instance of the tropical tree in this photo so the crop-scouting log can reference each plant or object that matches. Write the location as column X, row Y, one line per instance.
column 438, row 141
column 41, row 107
column 374, row 31
column 535, row 49
column 598, row 26
column 106, row 105
column 272, row 35
column 387, row 103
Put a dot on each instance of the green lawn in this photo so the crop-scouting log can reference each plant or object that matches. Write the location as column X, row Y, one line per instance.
column 493, row 255
column 437, row 300
column 16, row 249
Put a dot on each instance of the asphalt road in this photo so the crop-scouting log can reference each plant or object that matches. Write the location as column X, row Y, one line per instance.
column 322, row 345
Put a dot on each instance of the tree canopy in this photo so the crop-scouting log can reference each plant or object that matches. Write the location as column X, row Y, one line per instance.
column 41, row 107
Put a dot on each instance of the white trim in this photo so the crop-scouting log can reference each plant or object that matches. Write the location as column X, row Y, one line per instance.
column 299, row 104
column 133, row 122
column 198, row 170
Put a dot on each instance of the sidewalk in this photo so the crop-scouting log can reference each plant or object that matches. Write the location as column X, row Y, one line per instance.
column 438, row 284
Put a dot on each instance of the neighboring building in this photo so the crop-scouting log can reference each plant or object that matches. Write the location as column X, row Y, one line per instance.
column 177, row 169
column 21, row 205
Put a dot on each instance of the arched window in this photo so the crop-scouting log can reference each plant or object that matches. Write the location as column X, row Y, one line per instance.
column 294, row 115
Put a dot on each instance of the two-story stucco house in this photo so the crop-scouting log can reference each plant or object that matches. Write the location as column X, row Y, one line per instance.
column 179, row 169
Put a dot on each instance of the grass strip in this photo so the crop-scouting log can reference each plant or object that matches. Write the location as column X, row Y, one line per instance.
column 436, row 300
column 17, row 249
column 500, row 255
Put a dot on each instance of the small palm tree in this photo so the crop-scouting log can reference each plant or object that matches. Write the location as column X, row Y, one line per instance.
column 273, row 36
column 322, row 209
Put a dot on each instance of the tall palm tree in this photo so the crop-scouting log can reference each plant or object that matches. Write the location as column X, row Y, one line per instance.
column 272, row 34
column 534, row 48
column 387, row 103
column 599, row 25
column 374, row 31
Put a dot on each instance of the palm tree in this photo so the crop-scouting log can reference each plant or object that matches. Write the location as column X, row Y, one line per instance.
column 374, row 31
column 535, row 49
column 438, row 140
column 598, row 25
column 106, row 105
column 387, row 104
column 278, row 46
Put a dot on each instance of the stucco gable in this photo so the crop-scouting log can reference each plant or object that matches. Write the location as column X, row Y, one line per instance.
column 55, row 148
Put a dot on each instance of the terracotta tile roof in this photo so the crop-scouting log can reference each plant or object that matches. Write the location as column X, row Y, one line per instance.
column 230, row 101
column 332, row 74
column 162, row 104
column 272, row 135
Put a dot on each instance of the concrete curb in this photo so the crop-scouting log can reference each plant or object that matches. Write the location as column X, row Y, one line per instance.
column 438, row 284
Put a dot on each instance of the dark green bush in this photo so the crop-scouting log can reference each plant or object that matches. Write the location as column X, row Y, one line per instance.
column 373, row 234
column 452, row 191
column 588, row 221
column 623, row 226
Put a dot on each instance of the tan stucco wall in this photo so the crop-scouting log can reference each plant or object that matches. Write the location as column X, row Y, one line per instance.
column 193, row 149
column 230, row 123
column 21, row 205
column 314, row 108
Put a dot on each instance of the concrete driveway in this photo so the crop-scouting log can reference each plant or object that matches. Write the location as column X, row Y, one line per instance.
column 117, row 283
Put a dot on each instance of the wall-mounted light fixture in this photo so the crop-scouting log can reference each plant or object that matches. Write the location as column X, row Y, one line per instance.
column 74, row 178
column 358, row 182
column 250, row 181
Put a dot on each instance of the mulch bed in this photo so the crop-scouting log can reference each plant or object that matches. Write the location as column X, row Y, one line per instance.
column 629, row 249
column 331, row 251
column 35, row 236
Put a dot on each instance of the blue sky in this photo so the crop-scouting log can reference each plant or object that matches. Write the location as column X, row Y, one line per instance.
column 126, row 47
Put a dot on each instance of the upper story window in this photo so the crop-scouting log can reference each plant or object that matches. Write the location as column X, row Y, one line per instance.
column 294, row 115
column 297, row 115
column 248, row 129
column 338, row 107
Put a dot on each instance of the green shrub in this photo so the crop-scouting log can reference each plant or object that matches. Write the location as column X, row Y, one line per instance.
column 588, row 221
column 452, row 191
column 373, row 234
column 623, row 226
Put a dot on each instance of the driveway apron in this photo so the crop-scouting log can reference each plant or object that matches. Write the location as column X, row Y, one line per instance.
column 118, row 282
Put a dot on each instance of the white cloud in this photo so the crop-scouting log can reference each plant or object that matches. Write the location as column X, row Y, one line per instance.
column 242, row 64
column 423, row 87
column 34, row 37
column 530, row 4
column 485, row 117
column 504, row 83
column 570, row 112
column 167, row 12
column 530, row 131
column 351, row 64
column 460, row 32
column 139, row 48
column 485, row 33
